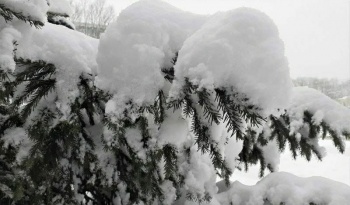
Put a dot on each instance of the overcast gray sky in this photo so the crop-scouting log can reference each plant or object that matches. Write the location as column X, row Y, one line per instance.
column 315, row 32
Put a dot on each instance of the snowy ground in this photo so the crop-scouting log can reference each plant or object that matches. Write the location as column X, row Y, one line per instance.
column 334, row 166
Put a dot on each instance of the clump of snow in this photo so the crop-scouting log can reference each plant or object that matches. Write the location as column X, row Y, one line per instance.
column 174, row 129
column 324, row 108
column 8, row 36
column 34, row 9
column 240, row 49
column 231, row 150
column 271, row 154
column 199, row 172
column 146, row 37
column 289, row 189
column 18, row 137
column 170, row 192
column 61, row 7
column 134, row 138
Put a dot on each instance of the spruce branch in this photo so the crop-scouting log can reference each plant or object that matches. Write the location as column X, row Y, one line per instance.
column 279, row 131
column 37, row 75
column 232, row 115
column 34, row 92
column 33, row 70
column 159, row 107
column 210, row 113
column 9, row 15
column 170, row 158
column 14, row 120
column 58, row 19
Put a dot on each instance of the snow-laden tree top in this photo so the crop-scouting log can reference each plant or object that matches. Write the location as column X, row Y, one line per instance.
column 156, row 111
column 239, row 49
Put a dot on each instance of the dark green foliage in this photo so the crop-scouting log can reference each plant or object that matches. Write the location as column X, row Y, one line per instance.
column 39, row 82
column 231, row 112
column 53, row 139
column 210, row 112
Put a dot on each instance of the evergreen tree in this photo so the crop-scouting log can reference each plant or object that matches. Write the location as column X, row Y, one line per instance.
column 64, row 164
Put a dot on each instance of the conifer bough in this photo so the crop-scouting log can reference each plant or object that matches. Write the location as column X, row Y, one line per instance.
column 155, row 111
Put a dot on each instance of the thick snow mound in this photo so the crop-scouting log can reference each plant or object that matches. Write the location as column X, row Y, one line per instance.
column 289, row 189
column 143, row 40
column 240, row 49
column 66, row 49
column 323, row 107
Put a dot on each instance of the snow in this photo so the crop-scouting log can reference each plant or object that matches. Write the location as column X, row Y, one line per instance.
column 231, row 151
column 288, row 188
column 35, row 9
column 72, row 53
column 8, row 36
column 298, row 182
column 323, row 108
column 200, row 175
column 18, row 137
column 167, row 187
column 271, row 154
column 174, row 129
column 61, row 7
column 134, row 138
column 334, row 166
column 323, row 182
column 240, row 49
column 67, row 49
column 147, row 34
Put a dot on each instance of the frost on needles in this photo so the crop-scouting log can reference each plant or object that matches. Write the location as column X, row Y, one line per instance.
column 159, row 109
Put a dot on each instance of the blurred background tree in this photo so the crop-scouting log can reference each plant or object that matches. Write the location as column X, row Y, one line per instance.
column 92, row 16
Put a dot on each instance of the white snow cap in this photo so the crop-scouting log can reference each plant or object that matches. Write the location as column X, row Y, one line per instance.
column 63, row 47
column 60, row 7
column 143, row 40
column 240, row 49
